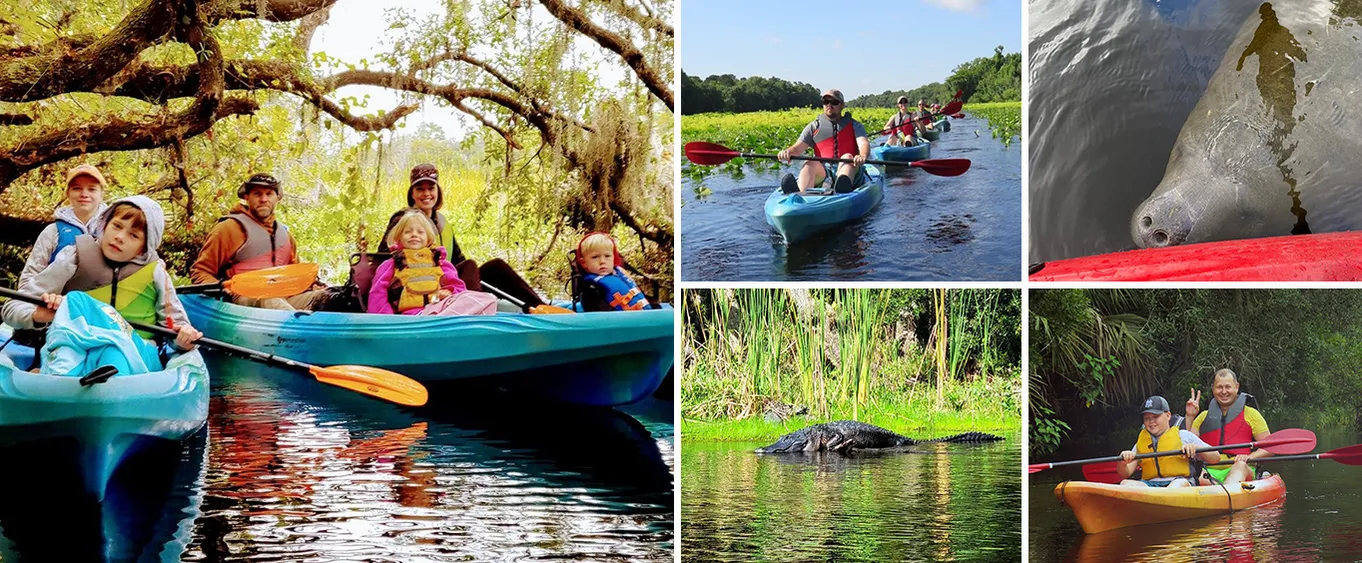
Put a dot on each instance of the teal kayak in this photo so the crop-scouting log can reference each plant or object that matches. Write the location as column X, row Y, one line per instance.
column 92, row 430
column 797, row 217
column 922, row 151
column 944, row 125
column 930, row 134
column 599, row 359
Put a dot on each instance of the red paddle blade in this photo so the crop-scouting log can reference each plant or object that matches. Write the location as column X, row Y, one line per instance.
column 943, row 166
column 1104, row 472
column 958, row 93
column 1037, row 467
column 1351, row 455
column 953, row 107
column 708, row 154
column 1290, row 441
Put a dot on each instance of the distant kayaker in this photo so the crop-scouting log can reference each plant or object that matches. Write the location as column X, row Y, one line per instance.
column 1231, row 422
column 250, row 237
column 599, row 281
column 84, row 204
column 418, row 280
column 1165, row 471
column 425, row 193
column 903, row 117
column 923, row 116
column 832, row 135
column 118, row 265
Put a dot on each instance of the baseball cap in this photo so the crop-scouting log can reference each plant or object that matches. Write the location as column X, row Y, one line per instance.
column 834, row 93
column 259, row 179
column 1155, row 405
column 902, row 100
column 423, row 172
column 86, row 170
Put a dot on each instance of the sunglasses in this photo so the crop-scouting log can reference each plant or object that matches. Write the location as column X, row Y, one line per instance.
column 831, row 102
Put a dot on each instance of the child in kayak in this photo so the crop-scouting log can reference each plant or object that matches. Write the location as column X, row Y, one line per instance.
column 600, row 283
column 1165, row 471
column 118, row 266
column 84, row 204
column 419, row 279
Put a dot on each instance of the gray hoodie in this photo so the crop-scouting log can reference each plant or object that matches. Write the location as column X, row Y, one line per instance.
column 47, row 240
column 19, row 314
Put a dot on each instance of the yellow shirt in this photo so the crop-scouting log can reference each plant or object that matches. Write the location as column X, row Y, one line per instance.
column 1257, row 424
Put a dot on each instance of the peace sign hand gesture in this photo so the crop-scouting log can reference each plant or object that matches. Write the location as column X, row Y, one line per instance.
column 1193, row 404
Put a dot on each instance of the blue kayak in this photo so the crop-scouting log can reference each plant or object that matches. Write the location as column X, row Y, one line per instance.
column 600, row 359
column 91, row 430
column 922, row 151
column 796, row 216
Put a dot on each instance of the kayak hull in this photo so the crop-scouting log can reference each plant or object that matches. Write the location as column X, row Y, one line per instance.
column 797, row 217
column 930, row 134
column 1315, row 257
column 922, row 151
column 944, row 125
column 1100, row 507
column 598, row 359
column 95, row 429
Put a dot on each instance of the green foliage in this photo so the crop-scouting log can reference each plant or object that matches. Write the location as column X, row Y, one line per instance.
column 728, row 93
column 1047, row 432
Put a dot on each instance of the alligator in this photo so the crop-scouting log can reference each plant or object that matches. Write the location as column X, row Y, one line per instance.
column 844, row 436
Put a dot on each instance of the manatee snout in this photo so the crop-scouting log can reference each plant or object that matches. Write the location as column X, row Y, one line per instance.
column 1162, row 220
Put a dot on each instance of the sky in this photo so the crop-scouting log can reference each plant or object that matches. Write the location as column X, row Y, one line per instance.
column 861, row 47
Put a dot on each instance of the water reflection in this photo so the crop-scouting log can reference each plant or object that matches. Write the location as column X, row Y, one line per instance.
column 961, row 504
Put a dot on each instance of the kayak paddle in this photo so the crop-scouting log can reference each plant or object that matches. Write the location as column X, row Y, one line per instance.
column 1303, row 440
column 951, row 108
column 1351, row 455
column 544, row 309
column 710, row 154
column 279, row 281
column 372, row 381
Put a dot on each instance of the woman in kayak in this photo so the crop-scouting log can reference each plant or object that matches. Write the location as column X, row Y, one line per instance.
column 426, row 194
column 896, row 123
column 831, row 135
column 600, row 283
column 119, row 266
column 1165, row 471
column 85, row 202
column 418, row 280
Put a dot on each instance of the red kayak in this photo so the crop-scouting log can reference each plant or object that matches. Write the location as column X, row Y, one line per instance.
column 1318, row 257
column 958, row 115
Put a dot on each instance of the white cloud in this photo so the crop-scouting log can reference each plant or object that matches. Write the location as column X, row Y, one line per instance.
column 957, row 5
column 772, row 39
column 837, row 44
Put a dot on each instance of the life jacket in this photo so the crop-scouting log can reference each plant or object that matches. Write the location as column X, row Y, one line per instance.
column 263, row 249
column 1220, row 428
column 129, row 288
column 621, row 293
column 66, row 236
column 831, row 140
column 898, row 123
column 416, row 278
column 1166, row 466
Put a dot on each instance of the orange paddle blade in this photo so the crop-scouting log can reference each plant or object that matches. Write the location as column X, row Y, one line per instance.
column 279, row 281
column 550, row 310
column 375, row 382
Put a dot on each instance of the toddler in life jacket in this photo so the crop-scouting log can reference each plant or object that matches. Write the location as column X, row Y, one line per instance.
column 603, row 285
column 419, row 279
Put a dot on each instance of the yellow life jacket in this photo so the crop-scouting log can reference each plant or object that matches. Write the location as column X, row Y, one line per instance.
column 416, row 278
column 1166, row 466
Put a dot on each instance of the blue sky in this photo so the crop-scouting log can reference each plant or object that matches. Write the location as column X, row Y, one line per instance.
column 862, row 47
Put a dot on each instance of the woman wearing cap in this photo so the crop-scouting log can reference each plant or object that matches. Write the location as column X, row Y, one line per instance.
column 85, row 202
column 426, row 194
column 903, row 117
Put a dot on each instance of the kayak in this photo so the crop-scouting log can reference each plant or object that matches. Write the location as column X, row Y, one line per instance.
column 960, row 115
column 92, row 430
column 599, row 359
column 796, row 216
column 944, row 125
column 922, row 151
column 1100, row 506
column 929, row 134
column 1316, row 257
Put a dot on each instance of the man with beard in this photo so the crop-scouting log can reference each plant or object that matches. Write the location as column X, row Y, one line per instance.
column 250, row 238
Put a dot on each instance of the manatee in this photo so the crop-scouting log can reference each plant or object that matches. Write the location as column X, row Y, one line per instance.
column 1277, row 132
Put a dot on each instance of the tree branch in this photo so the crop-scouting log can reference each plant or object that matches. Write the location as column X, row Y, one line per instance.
column 631, row 55
column 643, row 20
column 654, row 233
column 20, row 231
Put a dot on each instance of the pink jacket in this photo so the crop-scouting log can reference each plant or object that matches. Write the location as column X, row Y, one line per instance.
column 383, row 279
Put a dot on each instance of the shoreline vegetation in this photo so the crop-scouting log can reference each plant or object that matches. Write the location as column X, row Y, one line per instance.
column 925, row 363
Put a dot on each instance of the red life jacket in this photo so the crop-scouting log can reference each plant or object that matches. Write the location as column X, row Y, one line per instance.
column 1220, row 428
column 832, row 140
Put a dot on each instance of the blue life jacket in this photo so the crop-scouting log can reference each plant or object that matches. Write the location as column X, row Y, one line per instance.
column 621, row 293
column 66, row 236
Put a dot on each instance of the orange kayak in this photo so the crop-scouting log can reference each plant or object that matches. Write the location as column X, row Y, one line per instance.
column 1100, row 507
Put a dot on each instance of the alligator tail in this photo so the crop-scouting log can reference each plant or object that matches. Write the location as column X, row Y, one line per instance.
column 967, row 437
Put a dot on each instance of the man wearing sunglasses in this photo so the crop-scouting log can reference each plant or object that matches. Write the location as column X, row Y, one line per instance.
column 832, row 135
column 896, row 125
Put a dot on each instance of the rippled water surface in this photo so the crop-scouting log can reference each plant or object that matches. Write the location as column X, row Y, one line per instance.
column 291, row 470
column 927, row 228
column 1320, row 519
column 963, row 504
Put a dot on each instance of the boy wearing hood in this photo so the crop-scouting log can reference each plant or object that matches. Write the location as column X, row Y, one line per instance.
column 118, row 265
column 85, row 203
